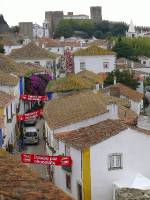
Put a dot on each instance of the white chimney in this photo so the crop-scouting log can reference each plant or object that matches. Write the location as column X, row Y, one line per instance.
column 132, row 64
column 43, row 45
column 115, row 80
column 62, row 38
column 97, row 87
column 113, row 110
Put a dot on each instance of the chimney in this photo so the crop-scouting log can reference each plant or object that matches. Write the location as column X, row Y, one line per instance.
column 97, row 87
column 43, row 45
column 62, row 38
column 132, row 64
column 112, row 107
column 115, row 80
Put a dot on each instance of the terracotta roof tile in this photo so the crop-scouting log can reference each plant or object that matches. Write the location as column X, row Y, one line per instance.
column 31, row 51
column 19, row 182
column 5, row 98
column 128, row 92
column 93, row 50
column 91, row 135
column 9, row 66
column 70, row 83
column 81, row 106
column 74, row 108
column 91, row 76
column 75, row 82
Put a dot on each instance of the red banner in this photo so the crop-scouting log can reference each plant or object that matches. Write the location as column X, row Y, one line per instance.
column 30, row 115
column 46, row 160
column 33, row 98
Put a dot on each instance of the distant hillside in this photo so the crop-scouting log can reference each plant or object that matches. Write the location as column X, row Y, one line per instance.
column 3, row 25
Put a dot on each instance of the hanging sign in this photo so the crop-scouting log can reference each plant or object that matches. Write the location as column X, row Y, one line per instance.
column 33, row 98
column 30, row 115
column 46, row 160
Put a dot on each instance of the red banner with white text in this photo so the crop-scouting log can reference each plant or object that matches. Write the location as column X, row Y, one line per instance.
column 30, row 115
column 46, row 160
column 33, row 98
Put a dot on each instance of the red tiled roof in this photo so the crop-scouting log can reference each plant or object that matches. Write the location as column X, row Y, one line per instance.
column 5, row 98
column 128, row 92
column 91, row 135
column 63, row 111
column 19, row 182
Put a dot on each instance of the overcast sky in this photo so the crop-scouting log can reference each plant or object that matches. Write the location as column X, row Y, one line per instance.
column 15, row 11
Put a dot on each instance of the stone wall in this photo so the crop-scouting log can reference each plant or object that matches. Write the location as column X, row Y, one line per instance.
column 132, row 194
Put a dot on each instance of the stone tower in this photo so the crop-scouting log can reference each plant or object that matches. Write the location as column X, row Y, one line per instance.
column 53, row 18
column 26, row 29
column 96, row 14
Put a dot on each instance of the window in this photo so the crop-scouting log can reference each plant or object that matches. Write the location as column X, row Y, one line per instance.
column 82, row 65
column 7, row 114
column 37, row 62
column 48, row 64
column 68, row 181
column 115, row 161
column 67, row 150
column 144, row 62
column 106, row 65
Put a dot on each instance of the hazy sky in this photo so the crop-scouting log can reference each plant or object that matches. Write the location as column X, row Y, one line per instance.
column 15, row 11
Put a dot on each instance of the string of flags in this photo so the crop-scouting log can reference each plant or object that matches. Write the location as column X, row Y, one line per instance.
column 33, row 98
column 30, row 115
column 46, row 160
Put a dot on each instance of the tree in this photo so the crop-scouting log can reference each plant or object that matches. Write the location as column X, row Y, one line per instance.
column 14, row 29
column 124, row 49
column 2, row 50
column 124, row 77
column 98, row 34
column 64, row 29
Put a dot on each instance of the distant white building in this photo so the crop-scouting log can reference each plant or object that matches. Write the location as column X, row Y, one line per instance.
column 41, row 31
column 131, row 31
column 34, row 54
column 144, row 60
column 94, row 59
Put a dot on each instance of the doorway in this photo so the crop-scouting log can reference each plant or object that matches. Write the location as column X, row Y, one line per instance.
column 79, row 190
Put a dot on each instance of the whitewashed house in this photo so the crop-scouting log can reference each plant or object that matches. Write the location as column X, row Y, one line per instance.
column 71, row 113
column 144, row 60
column 59, row 46
column 9, row 48
column 102, row 154
column 94, row 59
column 8, row 110
column 134, row 97
column 41, row 31
column 31, row 53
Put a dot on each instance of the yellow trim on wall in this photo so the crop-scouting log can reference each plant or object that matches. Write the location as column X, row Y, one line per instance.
column 86, row 174
column 1, row 111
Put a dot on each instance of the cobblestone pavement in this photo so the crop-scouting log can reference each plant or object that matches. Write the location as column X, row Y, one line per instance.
column 38, row 149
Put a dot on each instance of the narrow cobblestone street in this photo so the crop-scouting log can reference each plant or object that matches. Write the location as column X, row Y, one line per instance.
column 38, row 149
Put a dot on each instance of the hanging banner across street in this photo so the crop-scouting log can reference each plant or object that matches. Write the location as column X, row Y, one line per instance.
column 33, row 98
column 30, row 115
column 46, row 160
